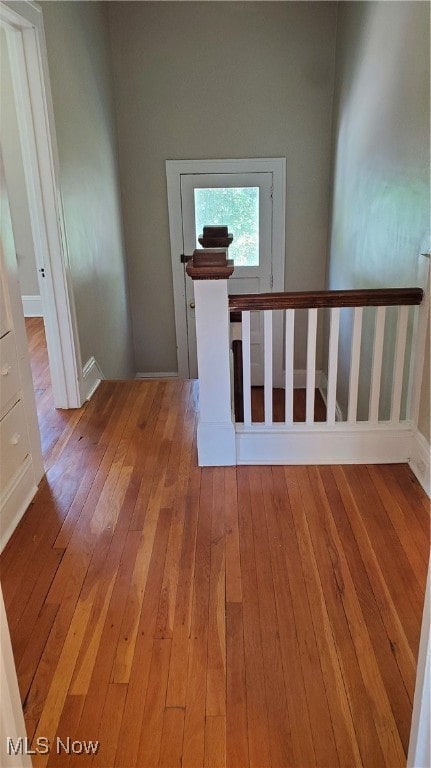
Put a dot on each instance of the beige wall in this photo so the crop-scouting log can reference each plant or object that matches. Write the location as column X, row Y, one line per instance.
column 380, row 218
column 15, row 180
column 218, row 80
column 79, row 64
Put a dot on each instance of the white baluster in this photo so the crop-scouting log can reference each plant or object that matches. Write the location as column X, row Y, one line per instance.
column 376, row 369
column 246, row 367
column 289, row 355
column 267, row 335
column 400, row 350
column 354, row 365
column 311, row 365
column 332, row 365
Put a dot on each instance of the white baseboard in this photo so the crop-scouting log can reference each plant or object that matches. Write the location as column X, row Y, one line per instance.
column 157, row 375
column 323, row 444
column 216, row 444
column 300, row 378
column 419, row 460
column 32, row 306
column 92, row 375
column 323, row 389
column 16, row 501
column 300, row 382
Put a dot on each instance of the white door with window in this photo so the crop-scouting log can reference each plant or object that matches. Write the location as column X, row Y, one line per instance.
column 245, row 196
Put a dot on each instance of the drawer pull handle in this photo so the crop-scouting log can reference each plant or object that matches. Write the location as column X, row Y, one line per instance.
column 15, row 438
column 6, row 369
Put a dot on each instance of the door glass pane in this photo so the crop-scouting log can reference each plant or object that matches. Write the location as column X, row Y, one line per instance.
column 238, row 208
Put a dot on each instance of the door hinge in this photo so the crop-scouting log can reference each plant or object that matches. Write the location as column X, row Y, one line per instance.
column 272, row 282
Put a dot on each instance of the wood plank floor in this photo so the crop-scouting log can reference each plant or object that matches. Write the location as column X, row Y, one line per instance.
column 54, row 425
column 216, row 617
column 278, row 405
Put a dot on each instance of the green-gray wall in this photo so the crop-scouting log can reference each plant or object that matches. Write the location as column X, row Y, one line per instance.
column 80, row 72
column 218, row 80
column 381, row 198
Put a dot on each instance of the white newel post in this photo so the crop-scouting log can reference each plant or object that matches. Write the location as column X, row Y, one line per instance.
column 216, row 431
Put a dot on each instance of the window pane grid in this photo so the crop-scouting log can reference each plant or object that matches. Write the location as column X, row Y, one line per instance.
column 238, row 209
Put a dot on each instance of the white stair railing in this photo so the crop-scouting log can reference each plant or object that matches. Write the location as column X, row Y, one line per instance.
column 336, row 440
column 342, row 437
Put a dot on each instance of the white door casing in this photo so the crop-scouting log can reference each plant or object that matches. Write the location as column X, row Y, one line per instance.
column 23, row 25
column 183, row 176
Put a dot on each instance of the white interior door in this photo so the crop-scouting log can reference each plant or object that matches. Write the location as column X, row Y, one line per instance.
column 258, row 248
column 243, row 202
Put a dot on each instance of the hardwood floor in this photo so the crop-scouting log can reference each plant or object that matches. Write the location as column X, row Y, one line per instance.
column 278, row 405
column 250, row 616
column 54, row 425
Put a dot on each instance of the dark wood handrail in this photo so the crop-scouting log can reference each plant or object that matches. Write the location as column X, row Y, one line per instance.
column 369, row 297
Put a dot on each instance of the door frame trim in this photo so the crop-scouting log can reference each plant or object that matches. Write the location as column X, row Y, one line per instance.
column 174, row 170
column 23, row 25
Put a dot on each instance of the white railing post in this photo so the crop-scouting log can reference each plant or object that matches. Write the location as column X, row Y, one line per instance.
column 216, row 432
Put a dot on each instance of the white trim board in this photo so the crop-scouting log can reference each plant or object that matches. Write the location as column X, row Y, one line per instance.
column 92, row 375
column 419, row 461
column 324, row 444
column 157, row 375
column 32, row 306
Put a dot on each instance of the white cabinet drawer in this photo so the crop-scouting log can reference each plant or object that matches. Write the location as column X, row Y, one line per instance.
column 9, row 375
column 14, row 446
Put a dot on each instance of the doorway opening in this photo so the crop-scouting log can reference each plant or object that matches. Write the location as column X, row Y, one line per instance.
column 29, row 151
column 14, row 176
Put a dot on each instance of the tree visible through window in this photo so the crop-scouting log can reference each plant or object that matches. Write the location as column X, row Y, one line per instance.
column 238, row 208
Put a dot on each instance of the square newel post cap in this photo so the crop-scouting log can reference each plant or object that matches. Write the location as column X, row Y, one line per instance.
column 210, row 264
column 215, row 237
